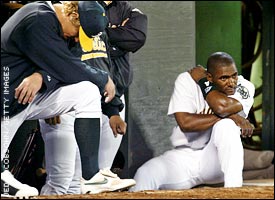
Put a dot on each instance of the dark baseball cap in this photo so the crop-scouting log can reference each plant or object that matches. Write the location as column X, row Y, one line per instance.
column 92, row 17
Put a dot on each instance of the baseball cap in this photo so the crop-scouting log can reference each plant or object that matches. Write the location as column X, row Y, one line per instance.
column 92, row 17
column 85, row 41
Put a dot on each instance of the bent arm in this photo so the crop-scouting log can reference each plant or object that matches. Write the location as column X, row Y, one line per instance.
column 189, row 122
column 132, row 35
column 220, row 104
column 51, row 53
column 223, row 105
column 238, row 103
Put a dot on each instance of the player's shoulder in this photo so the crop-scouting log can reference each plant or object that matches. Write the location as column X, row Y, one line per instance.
column 244, row 82
column 245, row 87
column 123, row 5
column 185, row 78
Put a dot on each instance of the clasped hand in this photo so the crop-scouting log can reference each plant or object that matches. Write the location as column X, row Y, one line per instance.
column 246, row 127
column 197, row 73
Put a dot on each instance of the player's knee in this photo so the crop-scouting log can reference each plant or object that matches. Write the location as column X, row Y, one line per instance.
column 88, row 103
column 149, row 170
column 226, row 128
column 89, row 96
column 148, row 177
column 225, row 124
column 89, row 88
column 141, row 173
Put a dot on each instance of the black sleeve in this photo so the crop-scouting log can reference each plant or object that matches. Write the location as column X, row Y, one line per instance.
column 42, row 42
column 113, row 107
column 132, row 36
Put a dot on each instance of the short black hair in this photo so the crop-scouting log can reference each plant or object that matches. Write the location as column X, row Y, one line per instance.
column 218, row 59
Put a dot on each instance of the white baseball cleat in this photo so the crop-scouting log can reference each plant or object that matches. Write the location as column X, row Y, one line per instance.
column 10, row 187
column 105, row 181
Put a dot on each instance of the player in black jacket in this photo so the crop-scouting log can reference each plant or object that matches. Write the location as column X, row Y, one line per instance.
column 33, row 40
column 127, row 31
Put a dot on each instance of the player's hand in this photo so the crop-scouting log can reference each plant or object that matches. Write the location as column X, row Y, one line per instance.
column 197, row 72
column 124, row 22
column 118, row 125
column 246, row 127
column 110, row 90
column 28, row 88
column 107, row 3
column 53, row 121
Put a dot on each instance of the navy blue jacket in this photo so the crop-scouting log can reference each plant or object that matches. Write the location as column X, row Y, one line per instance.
column 32, row 41
column 124, row 39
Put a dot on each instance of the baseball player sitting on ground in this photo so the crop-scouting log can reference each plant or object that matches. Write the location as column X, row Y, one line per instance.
column 33, row 41
column 210, row 108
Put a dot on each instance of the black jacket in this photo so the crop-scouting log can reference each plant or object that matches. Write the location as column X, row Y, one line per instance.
column 31, row 40
column 124, row 39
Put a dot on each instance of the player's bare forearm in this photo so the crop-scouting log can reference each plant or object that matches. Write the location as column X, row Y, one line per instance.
column 223, row 105
column 220, row 103
column 189, row 122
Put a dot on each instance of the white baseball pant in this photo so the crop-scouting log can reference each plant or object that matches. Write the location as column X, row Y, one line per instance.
column 63, row 164
column 183, row 168
column 83, row 98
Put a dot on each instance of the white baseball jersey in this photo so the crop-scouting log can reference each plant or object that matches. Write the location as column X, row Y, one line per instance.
column 214, row 156
column 187, row 97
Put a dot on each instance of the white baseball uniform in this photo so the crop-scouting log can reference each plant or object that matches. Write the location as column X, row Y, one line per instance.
column 62, row 156
column 212, row 156
column 86, row 102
